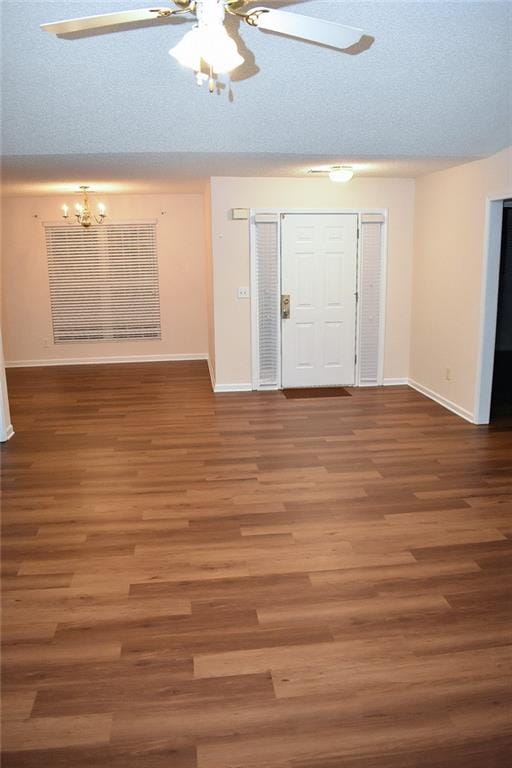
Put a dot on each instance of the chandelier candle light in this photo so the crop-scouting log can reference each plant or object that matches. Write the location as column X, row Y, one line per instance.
column 83, row 213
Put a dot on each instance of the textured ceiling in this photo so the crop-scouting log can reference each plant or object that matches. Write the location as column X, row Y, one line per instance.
column 434, row 87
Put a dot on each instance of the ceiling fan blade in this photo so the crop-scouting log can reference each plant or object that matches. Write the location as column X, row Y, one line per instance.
column 305, row 27
column 105, row 20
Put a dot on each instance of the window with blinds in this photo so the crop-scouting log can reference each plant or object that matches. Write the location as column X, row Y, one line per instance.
column 371, row 286
column 103, row 282
column 266, row 275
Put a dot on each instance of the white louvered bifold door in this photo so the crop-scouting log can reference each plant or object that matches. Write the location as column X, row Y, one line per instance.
column 103, row 282
column 370, row 295
column 266, row 289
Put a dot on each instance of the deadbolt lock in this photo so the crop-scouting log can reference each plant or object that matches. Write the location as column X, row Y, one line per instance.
column 285, row 306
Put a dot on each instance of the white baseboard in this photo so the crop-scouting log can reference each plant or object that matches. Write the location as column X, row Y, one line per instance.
column 232, row 388
column 9, row 432
column 385, row 383
column 453, row 407
column 102, row 360
column 395, row 382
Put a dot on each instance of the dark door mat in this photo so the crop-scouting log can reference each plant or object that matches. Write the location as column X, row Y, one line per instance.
column 294, row 394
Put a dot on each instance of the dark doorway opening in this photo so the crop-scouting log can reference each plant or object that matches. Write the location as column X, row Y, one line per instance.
column 501, row 402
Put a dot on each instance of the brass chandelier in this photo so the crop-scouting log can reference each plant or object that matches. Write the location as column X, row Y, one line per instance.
column 83, row 214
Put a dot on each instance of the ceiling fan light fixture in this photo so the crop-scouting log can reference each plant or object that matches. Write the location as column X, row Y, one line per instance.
column 220, row 51
column 341, row 174
column 188, row 51
column 210, row 44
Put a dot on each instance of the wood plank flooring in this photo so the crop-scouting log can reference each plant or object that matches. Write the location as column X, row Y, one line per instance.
column 244, row 581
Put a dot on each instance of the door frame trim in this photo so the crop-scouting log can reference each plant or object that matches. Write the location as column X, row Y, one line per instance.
column 277, row 212
column 490, row 273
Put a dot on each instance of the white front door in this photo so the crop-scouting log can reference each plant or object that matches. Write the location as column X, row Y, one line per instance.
column 318, row 273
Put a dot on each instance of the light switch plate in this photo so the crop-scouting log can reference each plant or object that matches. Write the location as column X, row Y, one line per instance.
column 243, row 293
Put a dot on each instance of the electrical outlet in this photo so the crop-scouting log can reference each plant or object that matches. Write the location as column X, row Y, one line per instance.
column 46, row 343
column 243, row 293
column 448, row 374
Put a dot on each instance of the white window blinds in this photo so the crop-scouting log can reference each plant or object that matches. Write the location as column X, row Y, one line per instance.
column 370, row 289
column 267, row 279
column 103, row 282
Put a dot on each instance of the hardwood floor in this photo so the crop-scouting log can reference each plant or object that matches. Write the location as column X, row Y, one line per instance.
column 244, row 581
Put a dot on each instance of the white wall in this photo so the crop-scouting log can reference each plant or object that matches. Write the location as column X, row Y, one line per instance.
column 448, row 274
column 230, row 244
column 26, row 318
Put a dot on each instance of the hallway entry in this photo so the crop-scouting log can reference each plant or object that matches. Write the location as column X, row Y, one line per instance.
column 501, row 400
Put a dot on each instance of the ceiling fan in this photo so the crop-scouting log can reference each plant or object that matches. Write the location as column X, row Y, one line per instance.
column 208, row 42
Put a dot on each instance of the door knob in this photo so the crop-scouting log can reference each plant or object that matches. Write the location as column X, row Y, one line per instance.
column 285, row 306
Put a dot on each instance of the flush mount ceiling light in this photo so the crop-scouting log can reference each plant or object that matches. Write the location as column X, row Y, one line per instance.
column 336, row 173
column 209, row 41
column 83, row 214
column 342, row 174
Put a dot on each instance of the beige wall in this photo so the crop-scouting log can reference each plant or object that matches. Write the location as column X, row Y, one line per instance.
column 26, row 319
column 447, row 276
column 231, row 258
